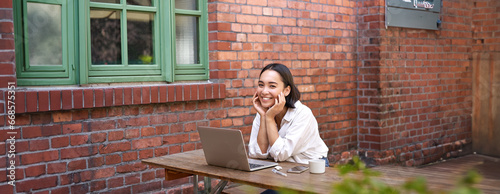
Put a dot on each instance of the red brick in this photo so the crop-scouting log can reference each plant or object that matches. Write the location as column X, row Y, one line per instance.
column 147, row 187
column 31, row 101
column 7, row 188
column 6, row 27
column 128, row 122
column 162, row 94
column 51, row 130
column 88, row 98
column 95, row 162
column 70, row 153
column 118, row 96
column 79, row 139
column 63, row 190
column 136, row 92
column 129, row 156
column 19, row 102
column 53, row 168
column 31, row 132
column 104, row 173
column 77, row 165
column 114, row 147
column 102, row 125
column 40, row 118
column 98, row 137
column 63, row 116
column 178, row 93
column 144, row 143
column 171, row 94
column 115, row 135
column 127, row 96
column 72, row 128
column 133, row 167
column 108, row 97
column 154, row 94
column 55, row 100
column 34, row 171
column 36, row 145
column 43, row 101
column 174, row 139
column 97, row 185
column 202, row 92
column 113, row 159
column 39, row 157
column 6, row 4
column 132, row 179
column 146, row 97
column 132, row 133
column 115, row 182
column 98, row 97
column 36, row 184
column 194, row 92
column 148, row 153
column 67, row 99
column 58, row 142
column 186, row 92
column 7, row 56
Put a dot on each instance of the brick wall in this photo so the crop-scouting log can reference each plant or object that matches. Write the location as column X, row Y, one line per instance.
column 395, row 95
column 415, row 86
column 316, row 40
column 486, row 25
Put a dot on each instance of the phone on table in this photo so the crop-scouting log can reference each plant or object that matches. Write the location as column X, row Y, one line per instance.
column 298, row 169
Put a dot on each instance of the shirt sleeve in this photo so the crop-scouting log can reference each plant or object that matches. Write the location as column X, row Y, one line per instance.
column 297, row 135
column 253, row 147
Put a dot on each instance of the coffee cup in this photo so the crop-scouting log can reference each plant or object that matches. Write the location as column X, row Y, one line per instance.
column 317, row 166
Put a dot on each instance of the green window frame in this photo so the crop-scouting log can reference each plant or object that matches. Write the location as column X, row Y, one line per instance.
column 78, row 18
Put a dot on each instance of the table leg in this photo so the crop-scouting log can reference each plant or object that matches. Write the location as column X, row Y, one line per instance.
column 208, row 184
column 219, row 187
column 195, row 184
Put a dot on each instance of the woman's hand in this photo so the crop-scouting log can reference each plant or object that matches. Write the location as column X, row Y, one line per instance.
column 258, row 106
column 279, row 105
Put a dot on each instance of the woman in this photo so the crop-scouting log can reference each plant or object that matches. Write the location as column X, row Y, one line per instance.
column 284, row 129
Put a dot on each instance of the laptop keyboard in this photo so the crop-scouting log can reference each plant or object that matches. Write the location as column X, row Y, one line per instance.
column 252, row 165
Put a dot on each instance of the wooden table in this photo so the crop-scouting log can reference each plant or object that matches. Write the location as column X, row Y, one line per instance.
column 193, row 163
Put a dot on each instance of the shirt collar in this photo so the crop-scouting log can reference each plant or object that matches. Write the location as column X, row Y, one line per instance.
column 290, row 113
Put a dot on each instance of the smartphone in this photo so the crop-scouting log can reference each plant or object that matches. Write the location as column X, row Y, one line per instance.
column 298, row 169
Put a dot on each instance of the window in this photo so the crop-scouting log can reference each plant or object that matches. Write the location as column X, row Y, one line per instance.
column 63, row 42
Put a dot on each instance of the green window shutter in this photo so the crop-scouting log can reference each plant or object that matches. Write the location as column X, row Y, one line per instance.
column 44, row 42
column 190, row 32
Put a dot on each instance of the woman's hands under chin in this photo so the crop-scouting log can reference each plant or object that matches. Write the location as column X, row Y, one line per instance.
column 258, row 106
column 279, row 105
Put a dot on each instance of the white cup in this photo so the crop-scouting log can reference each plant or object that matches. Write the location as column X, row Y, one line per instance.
column 317, row 166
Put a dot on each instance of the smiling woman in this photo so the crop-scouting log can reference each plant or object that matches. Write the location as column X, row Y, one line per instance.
column 284, row 129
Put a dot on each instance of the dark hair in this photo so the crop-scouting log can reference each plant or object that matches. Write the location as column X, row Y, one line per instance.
column 287, row 78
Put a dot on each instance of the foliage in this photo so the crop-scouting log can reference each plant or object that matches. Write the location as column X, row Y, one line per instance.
column 365, row 182
column 358, row 179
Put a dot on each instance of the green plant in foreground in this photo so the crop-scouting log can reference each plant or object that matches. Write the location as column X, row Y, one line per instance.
column 365, row 182
column 358, row 179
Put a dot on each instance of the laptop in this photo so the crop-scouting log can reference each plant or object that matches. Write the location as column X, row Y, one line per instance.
column 226, row 148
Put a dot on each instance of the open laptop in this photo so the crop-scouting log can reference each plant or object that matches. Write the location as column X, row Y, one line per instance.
column 226, row 148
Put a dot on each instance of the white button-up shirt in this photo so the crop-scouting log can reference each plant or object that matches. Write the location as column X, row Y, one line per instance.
column 298, row 140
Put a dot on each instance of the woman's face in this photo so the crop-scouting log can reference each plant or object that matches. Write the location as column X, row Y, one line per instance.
column 269, row 87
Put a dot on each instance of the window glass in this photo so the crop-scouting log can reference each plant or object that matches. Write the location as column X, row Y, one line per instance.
column 105, row 37
column 140, row 37
column 186, row 4
column 44, row 34
column 139, row 2
column 186, row 39
column 106, row 1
